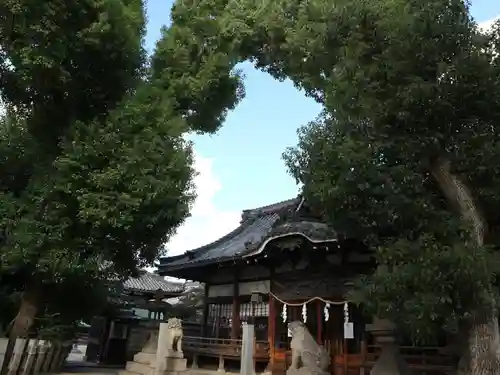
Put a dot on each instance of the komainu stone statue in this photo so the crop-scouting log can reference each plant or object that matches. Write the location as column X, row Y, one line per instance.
column 307, row 356
column 174, row 343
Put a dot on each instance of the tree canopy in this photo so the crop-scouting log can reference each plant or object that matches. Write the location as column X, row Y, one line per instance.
column 415, row 92
column 97, row 173
column 404, row 157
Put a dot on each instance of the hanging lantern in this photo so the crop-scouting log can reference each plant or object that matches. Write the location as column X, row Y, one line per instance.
column 326, row 311
column 304, row 312
column 346, row 313
column 283, row 313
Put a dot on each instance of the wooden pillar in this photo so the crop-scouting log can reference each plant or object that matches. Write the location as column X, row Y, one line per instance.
column 205, row 312
column 271, row 323
column 104, row 341
column 235, row 312
column 218, row 320
column 271, row 331
column 319, row 318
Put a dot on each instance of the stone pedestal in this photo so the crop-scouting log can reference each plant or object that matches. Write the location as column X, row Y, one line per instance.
column 158, row 356
column 175, row 366
column 389, row 362
column 144, row 362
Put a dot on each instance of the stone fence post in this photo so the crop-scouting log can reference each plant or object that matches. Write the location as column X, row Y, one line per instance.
column 40, row 359
column 247, row 350
column 48, row 357
column 65, row 350
column 17, row 356
column 29, row 362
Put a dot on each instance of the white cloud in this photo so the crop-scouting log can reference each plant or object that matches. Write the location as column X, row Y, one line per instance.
column 486, row 25
column 207, row 222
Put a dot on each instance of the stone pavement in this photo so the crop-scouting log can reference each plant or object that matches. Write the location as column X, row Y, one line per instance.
column 91, row 370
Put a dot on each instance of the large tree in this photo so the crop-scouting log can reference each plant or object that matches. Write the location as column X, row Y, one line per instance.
column 96, row 171
column 410, row 89
column 406, row 158
column 406, row 154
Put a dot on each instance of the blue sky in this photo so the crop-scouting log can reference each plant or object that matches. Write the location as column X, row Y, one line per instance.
column 241, row 166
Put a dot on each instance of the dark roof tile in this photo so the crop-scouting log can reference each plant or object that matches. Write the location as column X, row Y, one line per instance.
column 256, row 226
column 149, row 282
column 234, row 244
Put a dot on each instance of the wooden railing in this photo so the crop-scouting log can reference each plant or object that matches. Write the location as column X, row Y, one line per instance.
column 228, row 348
column 428, row 360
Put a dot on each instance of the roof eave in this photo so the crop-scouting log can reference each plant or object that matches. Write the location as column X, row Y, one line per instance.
column 164, row 269
column 262, row 246
column 174, row 293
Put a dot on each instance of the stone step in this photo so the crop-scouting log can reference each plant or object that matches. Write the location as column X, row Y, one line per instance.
column 128, row 372
column 125, row 372
column 145, row 358
column 139, row 368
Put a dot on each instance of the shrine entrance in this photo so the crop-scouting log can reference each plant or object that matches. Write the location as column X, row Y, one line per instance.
column 324, row 320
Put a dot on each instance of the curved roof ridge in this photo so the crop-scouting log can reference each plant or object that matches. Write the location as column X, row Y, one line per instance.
column 255, row 224
column 248, row 217
column 222, row 239
column 270, row 208
column 309, row 238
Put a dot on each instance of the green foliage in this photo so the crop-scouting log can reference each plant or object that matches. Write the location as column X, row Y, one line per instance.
column 69, row 302
column 193, row 64
column 97, row 174
column 53, row 53
column 403, row 83
column 427, row 286
column 409, row 82
column 429, row 274
column 100, row 174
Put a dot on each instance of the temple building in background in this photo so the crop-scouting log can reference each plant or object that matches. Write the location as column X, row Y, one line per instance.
column 138, row 307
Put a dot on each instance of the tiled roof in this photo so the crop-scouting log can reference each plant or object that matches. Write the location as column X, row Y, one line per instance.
column 150, row 282
column 255, row 226
column 232, row 245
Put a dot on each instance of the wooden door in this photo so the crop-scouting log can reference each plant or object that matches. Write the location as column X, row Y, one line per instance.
column 347, row 355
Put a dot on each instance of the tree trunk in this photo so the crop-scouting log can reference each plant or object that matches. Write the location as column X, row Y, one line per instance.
column 481, row 354
column 22, row 322
column 460, row 198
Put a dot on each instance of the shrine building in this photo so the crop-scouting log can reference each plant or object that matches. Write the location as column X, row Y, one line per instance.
column 281, row 264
